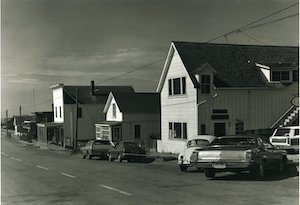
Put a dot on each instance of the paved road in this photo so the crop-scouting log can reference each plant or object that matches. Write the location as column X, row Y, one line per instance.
column 33, row 176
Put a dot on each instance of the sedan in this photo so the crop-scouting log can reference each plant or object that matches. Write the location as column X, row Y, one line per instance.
column 95, row 148
column 129, row 151
column 190, row 146
column 239, row 153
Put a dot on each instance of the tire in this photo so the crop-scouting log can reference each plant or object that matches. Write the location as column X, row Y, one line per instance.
column 183, row 168
column 119, row 158
column 89, row 156
column 82, row 156
column 110, row 157
column 209, row 173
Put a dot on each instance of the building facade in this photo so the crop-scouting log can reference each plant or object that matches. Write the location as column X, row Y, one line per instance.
column 222, row 89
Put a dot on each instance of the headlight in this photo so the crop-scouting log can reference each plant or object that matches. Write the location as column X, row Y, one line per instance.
column 248, row 155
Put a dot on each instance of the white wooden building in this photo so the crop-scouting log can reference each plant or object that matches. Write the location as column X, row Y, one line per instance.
column 131, row 117
column 222, row 89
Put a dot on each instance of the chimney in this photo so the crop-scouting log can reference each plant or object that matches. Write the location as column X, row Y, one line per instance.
column 92, row 88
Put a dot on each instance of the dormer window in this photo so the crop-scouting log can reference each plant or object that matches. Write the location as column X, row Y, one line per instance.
column 279, row 76
column 205, row 84
column 177, row 86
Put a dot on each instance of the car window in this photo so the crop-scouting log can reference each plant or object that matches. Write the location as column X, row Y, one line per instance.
column 234, row 141
column 282, row 132
column 265, row 144
column 197, row 143
column 104, row 142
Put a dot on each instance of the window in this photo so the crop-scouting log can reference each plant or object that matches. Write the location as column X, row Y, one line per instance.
column 239, row 127
column 55, row 111
column 137, row 131
column 114, row 111
column 281, row 76
column 79, row 112
column 205, row 84
column 177, row 86
column 295, row 76
column 296, row 132
column 177, row 130
column 60, row 111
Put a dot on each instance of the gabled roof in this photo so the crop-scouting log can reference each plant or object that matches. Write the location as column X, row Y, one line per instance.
column 148, row 103
column 234, row 64
column 85, row 97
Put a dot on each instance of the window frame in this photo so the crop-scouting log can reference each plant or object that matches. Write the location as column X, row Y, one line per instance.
column 180, row 83
column 178, row 130
column 205, row 85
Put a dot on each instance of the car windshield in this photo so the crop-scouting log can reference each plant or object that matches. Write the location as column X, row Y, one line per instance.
column 234, row 141
column 197, row 143
column 282, row 132
column 104, row 142
column 130, row 144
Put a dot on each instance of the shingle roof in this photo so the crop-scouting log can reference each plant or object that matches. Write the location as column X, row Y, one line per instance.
column 235, row 64
column 138, row 102
column 85, row 97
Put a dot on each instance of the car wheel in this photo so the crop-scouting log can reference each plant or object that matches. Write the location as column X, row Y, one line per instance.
column 210, row 173
column 110, row 157
column 82, row 156
column 89, row 156
column 119, row 158
column 261, row 170
column 183, row 168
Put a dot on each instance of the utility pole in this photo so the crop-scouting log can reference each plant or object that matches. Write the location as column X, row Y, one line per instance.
column 6, row 122
column 20, row 110
column 76, row 122
column 33, row 93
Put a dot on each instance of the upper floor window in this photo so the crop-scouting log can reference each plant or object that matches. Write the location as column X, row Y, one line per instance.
column 60, row 111
column 114, row 111
column 177, row 86
column 287, row 76
column 55, row 111
column 205, row 84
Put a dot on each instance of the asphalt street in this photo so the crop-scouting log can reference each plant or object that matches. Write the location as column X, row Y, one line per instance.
column 30, row 175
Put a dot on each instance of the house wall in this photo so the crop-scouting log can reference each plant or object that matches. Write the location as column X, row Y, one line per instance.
column 257, row 108
column 109, row 114
column 58, row 102
column 91, row 113
column 180, row 108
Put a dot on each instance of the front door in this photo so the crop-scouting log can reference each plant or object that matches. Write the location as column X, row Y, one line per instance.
column 117, row 133
column 220, row 129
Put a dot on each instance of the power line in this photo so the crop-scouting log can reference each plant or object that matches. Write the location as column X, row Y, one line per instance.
column 251, row 23
column 131, row 71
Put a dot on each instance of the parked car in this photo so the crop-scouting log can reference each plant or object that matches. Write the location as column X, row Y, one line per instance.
column 239, row 153
column 96, row 148
column 130, row 151
column 190, row 146
column 286, row 138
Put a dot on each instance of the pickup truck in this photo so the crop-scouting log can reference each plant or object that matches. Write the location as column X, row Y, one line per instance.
column 96, row 148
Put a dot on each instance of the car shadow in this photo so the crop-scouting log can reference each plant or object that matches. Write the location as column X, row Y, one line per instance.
column 246, row 176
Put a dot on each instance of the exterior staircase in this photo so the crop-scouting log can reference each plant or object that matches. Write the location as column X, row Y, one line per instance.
column 287, row 118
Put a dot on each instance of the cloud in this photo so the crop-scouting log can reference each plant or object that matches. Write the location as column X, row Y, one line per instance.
column 26, row 81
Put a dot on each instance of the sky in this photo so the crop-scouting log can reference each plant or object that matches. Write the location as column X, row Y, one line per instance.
column 46, row 42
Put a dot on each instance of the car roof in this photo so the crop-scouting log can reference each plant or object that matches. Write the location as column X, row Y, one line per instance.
column 203, row 137
column 239, row 136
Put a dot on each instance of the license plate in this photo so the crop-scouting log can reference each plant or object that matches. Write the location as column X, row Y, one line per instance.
column 219, row 165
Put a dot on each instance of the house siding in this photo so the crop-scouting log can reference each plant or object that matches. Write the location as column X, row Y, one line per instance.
column 257, row 108
column 86, row 124
column 179, row 108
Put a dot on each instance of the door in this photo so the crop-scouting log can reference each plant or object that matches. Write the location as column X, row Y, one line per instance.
column 117, row 133
column 220, row 129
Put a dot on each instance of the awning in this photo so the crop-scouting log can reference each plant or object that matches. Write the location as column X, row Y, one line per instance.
column 50, row 124
column 108, row 123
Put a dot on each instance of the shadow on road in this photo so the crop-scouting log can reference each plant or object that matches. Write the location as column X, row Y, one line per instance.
column 270, row 176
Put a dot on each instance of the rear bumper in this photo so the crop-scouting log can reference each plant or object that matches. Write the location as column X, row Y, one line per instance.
column 228, row 165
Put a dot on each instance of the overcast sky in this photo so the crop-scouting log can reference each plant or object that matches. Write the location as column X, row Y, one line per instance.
column 46, row 42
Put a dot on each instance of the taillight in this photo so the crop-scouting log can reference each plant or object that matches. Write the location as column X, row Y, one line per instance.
column 248, row 155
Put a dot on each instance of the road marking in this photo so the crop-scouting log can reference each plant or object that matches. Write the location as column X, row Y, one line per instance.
column 18, row 160
column 114, row 189
column 13, row 158
column 4, row 154
column 67, row 175
column 41, row 167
